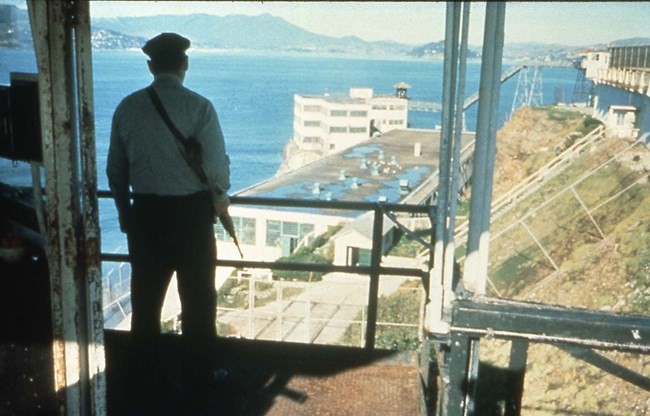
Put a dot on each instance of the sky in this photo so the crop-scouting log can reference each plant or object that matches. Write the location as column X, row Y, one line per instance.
column 416, row 23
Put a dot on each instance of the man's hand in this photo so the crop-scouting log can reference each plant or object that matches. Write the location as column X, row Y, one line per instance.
column 220, row 206
column 125, row 217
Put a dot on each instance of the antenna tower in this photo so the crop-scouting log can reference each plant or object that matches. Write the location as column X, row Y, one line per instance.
column 529, row 90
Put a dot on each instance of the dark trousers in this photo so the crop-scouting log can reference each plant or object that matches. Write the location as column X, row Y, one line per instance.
column 173, row 233
column 170, row 234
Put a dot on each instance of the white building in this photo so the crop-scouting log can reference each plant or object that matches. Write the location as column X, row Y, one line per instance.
column 330, row 123
column 593, row 62
column 397, row 167
column 622, row 90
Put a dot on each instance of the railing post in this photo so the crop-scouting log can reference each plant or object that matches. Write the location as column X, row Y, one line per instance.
column 251, row 308
column 456, row 388
column 373, row 290
column 517, row 372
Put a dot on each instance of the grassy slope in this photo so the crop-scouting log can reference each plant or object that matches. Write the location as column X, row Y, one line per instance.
column 610, row 273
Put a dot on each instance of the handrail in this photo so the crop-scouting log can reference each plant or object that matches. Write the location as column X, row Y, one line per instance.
column 307, row 203
column 375, row 270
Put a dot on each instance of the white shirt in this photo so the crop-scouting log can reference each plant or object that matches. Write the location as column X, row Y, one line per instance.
column 145, row 155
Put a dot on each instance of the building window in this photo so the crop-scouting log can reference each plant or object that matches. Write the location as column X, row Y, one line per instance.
column 358, row 129
column 311, row 108
column 311, row 139
column 358, row 113
column 276, row 231
column 312, row 123
column 395, row 122
column 397, row 107
column 244, row 228
column 338, row 113
column 338, row 129
column 379, row 107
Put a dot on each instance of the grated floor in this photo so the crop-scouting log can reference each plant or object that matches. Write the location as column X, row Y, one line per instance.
column 371, row 390
column 264, row 378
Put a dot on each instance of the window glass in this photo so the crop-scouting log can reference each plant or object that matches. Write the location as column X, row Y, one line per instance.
column 273, row 230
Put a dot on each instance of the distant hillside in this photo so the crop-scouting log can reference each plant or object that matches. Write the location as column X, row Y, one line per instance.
column 437, row 50
column 535, row 51
column 14, row 27
column 631, row 42
column 109, row 39
column 262, row 32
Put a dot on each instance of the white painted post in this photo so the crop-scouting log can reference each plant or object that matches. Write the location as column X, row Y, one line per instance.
column 437, row 287
column 61, row 34
column 475, row 276
column 251, row 306
column 449, row 259
column 278, row 297
column 91, row 238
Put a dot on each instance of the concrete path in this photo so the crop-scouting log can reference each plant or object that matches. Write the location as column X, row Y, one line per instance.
column 320, row 314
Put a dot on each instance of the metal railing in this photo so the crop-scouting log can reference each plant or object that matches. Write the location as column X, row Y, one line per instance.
column 578, row 332
column 375, row 270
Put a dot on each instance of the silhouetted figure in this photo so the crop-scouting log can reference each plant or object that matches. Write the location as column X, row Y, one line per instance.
column 169, row 225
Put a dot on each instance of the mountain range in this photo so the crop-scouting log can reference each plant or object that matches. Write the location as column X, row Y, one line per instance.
column 261, row 32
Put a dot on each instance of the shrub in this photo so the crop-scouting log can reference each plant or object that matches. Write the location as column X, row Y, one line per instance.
column 318, row 251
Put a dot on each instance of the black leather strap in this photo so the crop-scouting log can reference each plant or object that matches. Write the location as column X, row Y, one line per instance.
column 163, row 113
column 198, row 169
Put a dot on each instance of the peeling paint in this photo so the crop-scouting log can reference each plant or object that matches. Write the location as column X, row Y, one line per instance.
column 72, row 235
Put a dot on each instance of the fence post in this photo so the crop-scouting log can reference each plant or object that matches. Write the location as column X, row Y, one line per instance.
column 373, row 289
column 517, row 367
column 456, row 390
column 251, row 306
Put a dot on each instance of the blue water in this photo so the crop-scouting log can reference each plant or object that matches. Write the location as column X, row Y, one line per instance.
column 253, row 94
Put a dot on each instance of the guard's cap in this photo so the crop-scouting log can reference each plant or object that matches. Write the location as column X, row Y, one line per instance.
column 166, row 46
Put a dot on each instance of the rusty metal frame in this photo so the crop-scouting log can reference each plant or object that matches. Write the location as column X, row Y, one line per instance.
column 576, row 331
column 61, row 32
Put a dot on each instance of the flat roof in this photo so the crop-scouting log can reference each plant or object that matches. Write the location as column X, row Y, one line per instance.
column 375, row 177
column 346, row 99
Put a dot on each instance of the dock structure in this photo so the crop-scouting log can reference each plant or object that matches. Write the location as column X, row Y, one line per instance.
column 431, row 106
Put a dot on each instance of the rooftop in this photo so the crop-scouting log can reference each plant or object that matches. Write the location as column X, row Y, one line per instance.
column 341, row 98
column 376, row 169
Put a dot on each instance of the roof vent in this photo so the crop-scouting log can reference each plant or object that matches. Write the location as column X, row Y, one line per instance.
column 417, row 149
column 404, row 186
column 393, row 160
column 342, row 175
column 315, row 190
column 380, row 156
column 364, row 164
column 355, row 183
column 328, row 195
column 374, row 170
column 382, row 198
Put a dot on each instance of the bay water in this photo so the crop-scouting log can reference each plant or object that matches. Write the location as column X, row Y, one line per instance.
column 253, row 94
